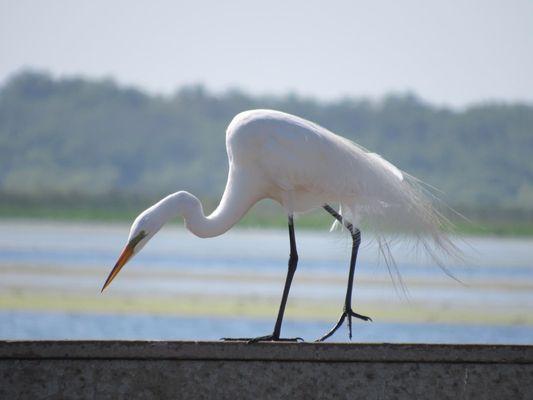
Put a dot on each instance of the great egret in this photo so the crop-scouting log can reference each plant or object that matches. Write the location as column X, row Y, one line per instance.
column 302, row 166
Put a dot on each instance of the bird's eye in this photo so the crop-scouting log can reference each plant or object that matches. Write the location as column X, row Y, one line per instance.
column 140, row 236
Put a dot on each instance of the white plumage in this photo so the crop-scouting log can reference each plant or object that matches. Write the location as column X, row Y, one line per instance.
column 303, row 166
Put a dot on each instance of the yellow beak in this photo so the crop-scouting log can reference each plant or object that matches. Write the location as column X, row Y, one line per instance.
column 122, row 260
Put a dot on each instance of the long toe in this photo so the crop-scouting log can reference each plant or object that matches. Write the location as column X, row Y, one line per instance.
column 363, row 317
column 349, row 313
column 267, row 338
column 334, row 329
column 272, row 338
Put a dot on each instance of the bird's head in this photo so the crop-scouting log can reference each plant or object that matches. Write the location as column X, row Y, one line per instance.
column 145, row 226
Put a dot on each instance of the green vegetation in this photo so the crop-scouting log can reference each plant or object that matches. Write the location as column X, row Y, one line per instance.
column 75, row 148
column 263, row 215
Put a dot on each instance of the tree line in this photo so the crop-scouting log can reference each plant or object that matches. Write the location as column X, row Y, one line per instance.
column 81, row 138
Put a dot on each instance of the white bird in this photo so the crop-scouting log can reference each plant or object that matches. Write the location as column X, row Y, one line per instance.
column 302, row 166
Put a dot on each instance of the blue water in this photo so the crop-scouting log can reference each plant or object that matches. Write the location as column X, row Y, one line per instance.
column 59, row 258
column 72, row 259
column 50, row 326
column 78, row 245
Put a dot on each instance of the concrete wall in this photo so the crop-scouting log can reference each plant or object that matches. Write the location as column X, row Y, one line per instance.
column 202, row 370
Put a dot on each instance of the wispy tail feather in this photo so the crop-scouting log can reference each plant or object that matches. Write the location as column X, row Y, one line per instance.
column 408, row 214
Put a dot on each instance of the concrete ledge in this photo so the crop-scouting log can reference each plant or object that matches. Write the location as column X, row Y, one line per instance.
column 194, row 370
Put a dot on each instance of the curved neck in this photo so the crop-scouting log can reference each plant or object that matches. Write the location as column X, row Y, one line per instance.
column 236, row 201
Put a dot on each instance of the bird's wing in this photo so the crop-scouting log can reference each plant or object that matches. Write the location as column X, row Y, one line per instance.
column 387, row 165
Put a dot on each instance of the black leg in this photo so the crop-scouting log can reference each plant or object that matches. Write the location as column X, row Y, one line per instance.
column 293, row 262
column 347, row 311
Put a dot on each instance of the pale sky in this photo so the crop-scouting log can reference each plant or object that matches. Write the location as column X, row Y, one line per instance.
column 452, row 52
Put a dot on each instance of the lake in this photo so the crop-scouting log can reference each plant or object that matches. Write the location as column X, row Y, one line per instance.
column 183, row 287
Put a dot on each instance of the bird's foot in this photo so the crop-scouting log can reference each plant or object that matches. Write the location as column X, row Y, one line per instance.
column 347, row 313
column 266, row 338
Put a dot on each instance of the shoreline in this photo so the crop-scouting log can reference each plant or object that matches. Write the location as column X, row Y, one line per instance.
column 310, row 222
column 255, row 308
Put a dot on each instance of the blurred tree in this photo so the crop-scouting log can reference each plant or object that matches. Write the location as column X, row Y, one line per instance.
column 91, row 138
